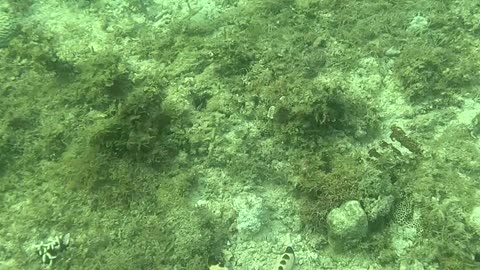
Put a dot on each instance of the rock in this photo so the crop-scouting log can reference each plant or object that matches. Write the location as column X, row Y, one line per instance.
column 251, row 213
column 347, row 225
column 378, row 208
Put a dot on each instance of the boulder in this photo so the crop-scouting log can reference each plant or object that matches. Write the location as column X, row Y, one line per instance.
column 347, row 225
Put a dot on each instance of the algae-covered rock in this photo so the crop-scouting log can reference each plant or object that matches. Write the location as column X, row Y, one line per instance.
column 347, row 225
column 378, row 208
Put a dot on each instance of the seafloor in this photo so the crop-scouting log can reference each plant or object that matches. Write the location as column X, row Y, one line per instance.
column 211, row 134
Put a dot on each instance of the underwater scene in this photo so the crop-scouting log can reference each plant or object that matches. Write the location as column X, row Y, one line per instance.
column 239, row 134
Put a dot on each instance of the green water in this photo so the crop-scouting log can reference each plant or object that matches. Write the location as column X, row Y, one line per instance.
column 214, row 134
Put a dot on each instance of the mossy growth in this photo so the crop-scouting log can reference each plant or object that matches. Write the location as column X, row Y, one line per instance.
column 317, row 108
column 430, row 72
column 450, row 243
column 20, row 6
column 443, row 193
column 160, row 228
column 236, row 56
column 136, row 129
column 271, row 6
column 112, row 145
column 26, row 133
column 338, row 173
column 447, row 240
column 37, row 48
column 329, row 178
column 106, row 182
column 197, row 233
column 6, row 157
column 98, row 79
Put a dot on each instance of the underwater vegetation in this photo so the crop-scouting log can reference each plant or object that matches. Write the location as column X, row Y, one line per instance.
column 138, row 128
